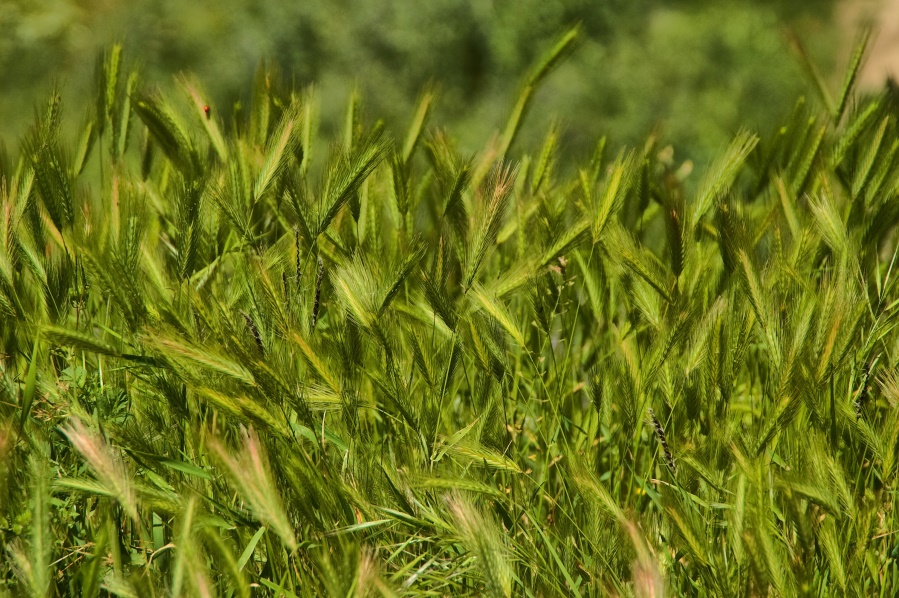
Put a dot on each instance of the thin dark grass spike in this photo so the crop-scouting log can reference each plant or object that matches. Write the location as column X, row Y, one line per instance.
column 254, row 330
column 316, row 304
column 297, row 266
column 663, row 441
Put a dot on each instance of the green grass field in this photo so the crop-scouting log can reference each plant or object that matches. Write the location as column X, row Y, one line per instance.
column 241, row 360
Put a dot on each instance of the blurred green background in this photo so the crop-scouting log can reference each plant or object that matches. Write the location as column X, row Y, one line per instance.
column 696, row 70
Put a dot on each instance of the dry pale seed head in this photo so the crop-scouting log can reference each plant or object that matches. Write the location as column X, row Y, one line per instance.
column 648, row 580
column 106, row 464
column 250, row 476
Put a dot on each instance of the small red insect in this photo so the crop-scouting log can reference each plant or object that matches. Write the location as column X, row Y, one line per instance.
column 206, row 111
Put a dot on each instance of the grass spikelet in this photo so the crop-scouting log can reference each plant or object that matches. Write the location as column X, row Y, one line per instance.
column 280, row 147
column 616, row 188
column 550, row 60
column 250, row 476
column 860, row 50
column 497, row 193
column 830, row 224
column 346, row 175
column 723, row 173
column 106, row 465
column 482, row 538
column 167, row 131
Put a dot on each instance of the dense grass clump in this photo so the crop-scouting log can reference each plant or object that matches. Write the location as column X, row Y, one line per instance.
column 236, row 366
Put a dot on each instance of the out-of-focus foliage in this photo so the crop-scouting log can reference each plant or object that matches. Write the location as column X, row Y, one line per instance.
column 697, row 68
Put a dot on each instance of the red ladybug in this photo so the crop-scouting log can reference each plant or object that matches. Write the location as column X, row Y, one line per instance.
column 206, row 111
